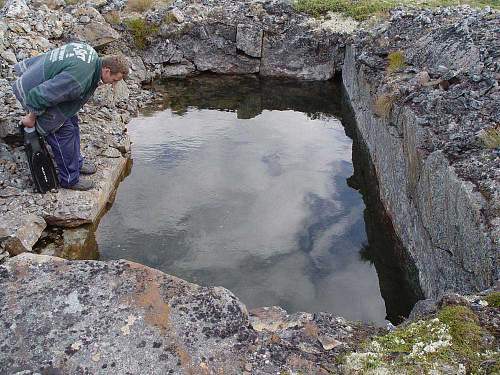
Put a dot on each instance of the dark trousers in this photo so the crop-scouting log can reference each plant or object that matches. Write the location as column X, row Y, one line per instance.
column 65, row 145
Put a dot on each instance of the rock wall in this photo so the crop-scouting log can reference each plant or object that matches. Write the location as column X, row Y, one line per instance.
column 448, row 226
column 244, row 37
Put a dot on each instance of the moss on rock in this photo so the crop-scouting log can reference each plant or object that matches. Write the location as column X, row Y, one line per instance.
column 493, row 299
column 450, row 342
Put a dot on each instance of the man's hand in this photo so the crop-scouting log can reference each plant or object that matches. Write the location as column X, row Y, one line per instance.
column 29, row 120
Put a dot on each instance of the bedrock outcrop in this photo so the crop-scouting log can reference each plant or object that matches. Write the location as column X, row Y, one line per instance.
column 424, row 123
column 68, row 317
column 243, row 37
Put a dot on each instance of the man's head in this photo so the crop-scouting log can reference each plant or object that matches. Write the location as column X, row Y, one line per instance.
column 114, row 68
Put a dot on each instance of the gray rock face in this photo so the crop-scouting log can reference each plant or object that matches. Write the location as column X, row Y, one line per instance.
column 121, row 317
column 301, row 55
column 447, row 226
column 249, row 40
column 247, row 37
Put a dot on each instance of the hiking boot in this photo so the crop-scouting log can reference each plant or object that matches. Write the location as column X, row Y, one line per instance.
column 88, row 168
column 82, row 185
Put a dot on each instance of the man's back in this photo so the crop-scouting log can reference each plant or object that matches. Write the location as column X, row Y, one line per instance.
column 56, row 84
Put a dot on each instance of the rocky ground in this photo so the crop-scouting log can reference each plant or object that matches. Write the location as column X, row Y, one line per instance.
column 454, row 91
column 77, row 317
column 424, row 86
column 90, row 317
column 29, row 30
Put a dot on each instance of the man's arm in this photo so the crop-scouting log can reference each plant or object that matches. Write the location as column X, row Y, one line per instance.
column 61, row 88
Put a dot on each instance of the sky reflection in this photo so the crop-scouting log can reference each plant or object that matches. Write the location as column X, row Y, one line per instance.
column 260, row 206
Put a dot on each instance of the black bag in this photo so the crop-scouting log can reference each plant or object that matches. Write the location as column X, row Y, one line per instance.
column 41, row 166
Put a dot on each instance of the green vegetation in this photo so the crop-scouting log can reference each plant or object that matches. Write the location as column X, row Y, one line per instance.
column 395, row 61
column 452, row 339
column 493, row 299
column 72, row 2
column 491, row 137
column 141, row 30
column 359, row 10
column 464, row 329
column 363, row 9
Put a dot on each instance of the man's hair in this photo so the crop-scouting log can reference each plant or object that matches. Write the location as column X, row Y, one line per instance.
column 116, row 64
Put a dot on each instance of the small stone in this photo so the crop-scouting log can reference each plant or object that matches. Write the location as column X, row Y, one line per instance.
column 9, row 56
column 422, row 77
column 422, row 121
column 452, row 299
column 178, row 15
column 329, row 342
column 84, row 19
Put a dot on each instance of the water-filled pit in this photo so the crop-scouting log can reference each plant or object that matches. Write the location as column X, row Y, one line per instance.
column 249, row 184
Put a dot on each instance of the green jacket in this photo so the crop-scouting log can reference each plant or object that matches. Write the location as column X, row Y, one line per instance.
column 56, row 84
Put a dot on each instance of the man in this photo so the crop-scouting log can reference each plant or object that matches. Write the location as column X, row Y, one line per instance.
column 52, row 88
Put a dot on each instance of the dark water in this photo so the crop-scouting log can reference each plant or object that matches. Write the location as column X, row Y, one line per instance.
column 250, row 185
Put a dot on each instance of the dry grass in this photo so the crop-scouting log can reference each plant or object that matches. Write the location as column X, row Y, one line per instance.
column 395, row 61
column 383, row 104
column 140, row 5
column 113, row 17
column 491, row 137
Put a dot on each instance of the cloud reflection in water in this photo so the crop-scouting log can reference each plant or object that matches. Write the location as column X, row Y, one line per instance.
column 259, row 206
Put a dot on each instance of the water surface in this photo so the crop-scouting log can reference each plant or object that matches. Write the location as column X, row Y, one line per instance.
column 242, row 184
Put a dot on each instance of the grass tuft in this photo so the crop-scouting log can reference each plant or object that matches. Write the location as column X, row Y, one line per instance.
column 141, row 30
column 491, row 137
column 383, row 104
column 140, row 5
column 395, row 61
column 113, row 17
column 493, row 299
column 362, row 9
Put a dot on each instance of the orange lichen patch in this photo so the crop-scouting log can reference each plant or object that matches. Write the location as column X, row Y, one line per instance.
column 157, row 311
column 186, row 363
column 274, row 339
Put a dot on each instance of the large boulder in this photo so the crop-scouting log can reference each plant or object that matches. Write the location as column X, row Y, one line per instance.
column 62, row 316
